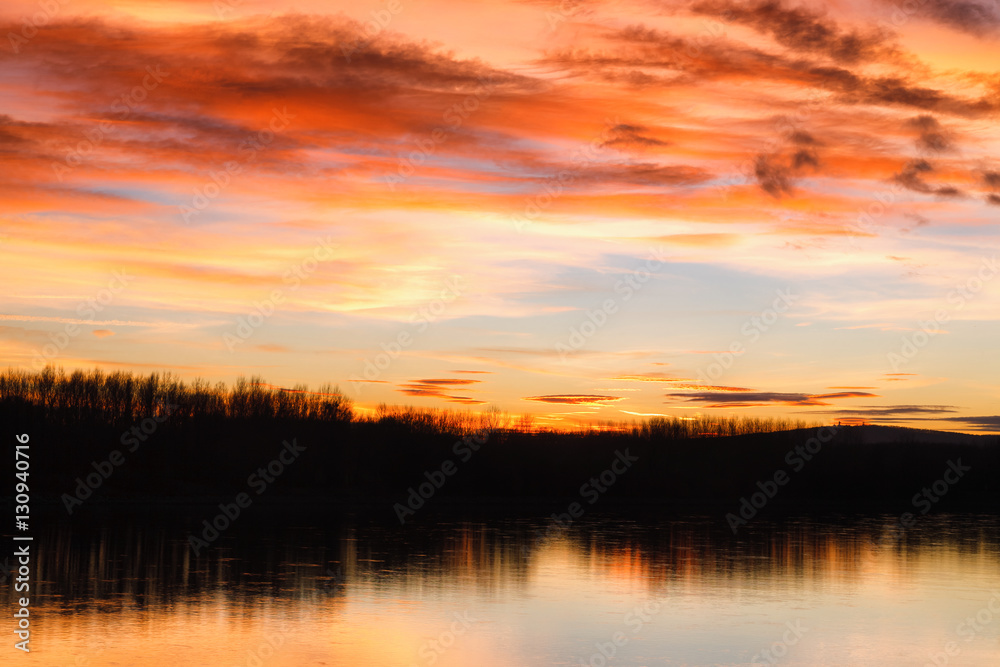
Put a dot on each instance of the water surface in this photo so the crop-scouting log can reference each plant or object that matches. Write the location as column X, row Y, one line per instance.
column 502, row 592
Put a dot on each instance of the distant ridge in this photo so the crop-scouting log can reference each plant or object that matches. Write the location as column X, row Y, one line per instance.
column 874, row 434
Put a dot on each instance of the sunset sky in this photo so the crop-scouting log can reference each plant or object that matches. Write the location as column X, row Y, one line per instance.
column 574, row 209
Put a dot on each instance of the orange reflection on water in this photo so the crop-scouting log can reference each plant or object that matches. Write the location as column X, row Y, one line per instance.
column 513, row 594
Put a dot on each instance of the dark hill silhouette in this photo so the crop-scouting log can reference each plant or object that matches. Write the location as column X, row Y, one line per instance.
column 205, row 449
column 873, row 434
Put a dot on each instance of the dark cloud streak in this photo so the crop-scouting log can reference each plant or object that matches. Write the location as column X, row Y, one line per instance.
column 981, row 19
column 804, row 31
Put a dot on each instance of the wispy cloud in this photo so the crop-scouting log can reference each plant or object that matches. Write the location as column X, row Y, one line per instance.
column 437, row 388
column 739, row 397
column 575, row 399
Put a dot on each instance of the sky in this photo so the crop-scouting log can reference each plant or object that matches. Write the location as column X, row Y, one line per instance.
column 577, row 210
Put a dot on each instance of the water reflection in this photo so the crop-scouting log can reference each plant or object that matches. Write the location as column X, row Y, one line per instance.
column 518, row 592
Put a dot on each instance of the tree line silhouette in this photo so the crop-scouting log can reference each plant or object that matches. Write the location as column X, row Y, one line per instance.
column 198, row 442
column 114, row 397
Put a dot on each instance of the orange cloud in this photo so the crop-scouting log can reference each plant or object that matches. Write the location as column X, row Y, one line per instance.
column 575, row 399
column 742, row 398
column 435, row 388
column 649, row 377
column 710, row 387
